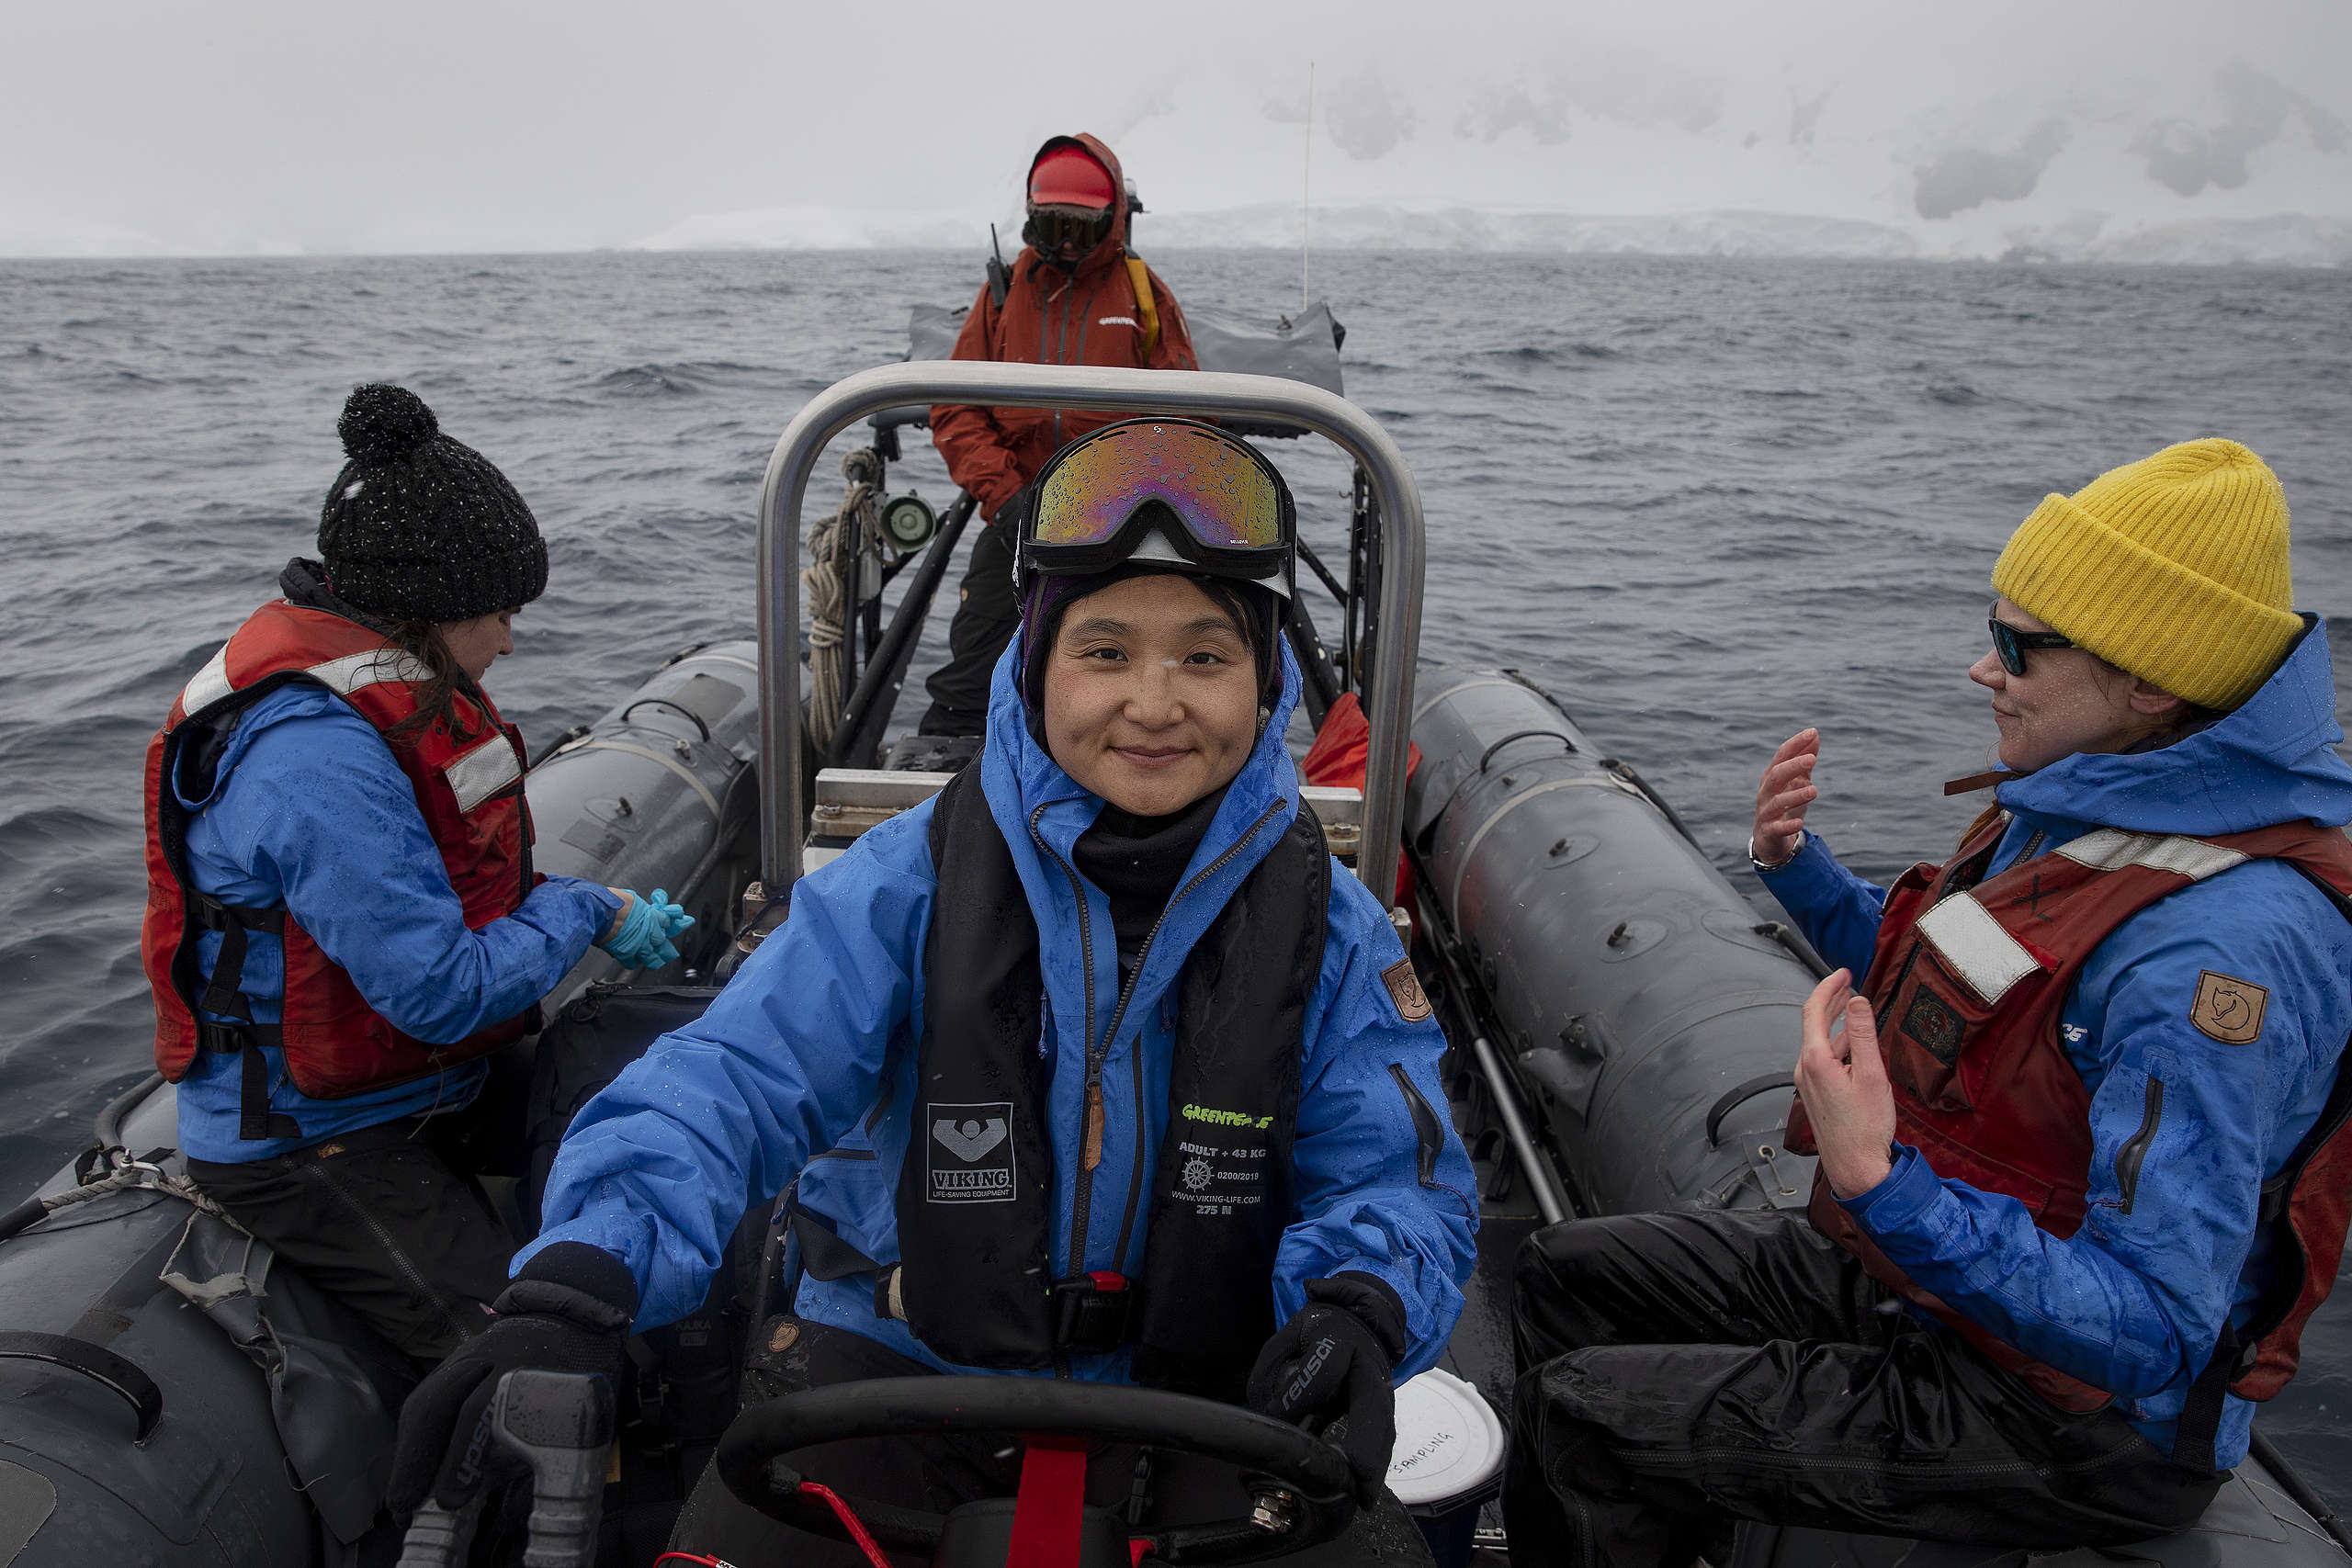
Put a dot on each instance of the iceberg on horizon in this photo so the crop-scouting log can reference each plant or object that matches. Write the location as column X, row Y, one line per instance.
column 2293, row 240
column 1718, row 234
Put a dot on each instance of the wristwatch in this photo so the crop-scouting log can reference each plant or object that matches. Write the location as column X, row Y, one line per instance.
column 1782, row 865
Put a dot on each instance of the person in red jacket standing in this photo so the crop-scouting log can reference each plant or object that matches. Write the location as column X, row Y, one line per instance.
column 1074, row 295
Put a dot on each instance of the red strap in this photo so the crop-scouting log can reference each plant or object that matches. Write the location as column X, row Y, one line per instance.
column 850, row 1522
column 1046, row 1516
column 1137, row 1550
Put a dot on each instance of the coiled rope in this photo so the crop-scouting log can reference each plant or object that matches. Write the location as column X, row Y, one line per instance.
column 834, row 545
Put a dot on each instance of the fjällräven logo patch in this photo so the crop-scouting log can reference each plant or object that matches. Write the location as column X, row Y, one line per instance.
column 969, row 1152
column 1404, row 990
column 2229, row 1009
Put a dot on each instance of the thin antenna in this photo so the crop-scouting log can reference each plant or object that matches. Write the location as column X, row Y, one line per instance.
column 1305, row 178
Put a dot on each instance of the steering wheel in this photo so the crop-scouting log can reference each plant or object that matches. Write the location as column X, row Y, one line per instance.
column 1302, row 1489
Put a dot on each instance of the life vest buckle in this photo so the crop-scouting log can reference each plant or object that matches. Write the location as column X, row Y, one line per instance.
column 228, row 1039
column 1094, row 1313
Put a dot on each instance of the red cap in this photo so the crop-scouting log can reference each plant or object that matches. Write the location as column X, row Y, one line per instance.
column 1069, row 177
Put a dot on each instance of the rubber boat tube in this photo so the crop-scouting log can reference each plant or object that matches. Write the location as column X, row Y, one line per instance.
column 649, row 794
column 1632, row 991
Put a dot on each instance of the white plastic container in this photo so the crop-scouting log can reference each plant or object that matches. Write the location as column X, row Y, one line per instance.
column 1447, row 1460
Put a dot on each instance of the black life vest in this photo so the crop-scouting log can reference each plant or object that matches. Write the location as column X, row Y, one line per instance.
column 975, row 1199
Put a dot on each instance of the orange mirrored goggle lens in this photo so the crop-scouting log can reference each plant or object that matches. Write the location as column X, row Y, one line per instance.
column 1224, row 493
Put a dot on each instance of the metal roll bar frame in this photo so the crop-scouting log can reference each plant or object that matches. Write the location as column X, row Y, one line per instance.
column 1194, row 393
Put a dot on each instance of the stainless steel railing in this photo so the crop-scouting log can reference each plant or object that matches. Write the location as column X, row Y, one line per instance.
column 1207, row 394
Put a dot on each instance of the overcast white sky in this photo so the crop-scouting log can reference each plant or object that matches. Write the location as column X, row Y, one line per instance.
column 244, row 125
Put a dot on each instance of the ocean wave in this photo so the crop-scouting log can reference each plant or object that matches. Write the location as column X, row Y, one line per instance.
column 684, row 379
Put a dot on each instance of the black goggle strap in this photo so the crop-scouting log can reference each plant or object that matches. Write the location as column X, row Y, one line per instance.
column 1265, row 561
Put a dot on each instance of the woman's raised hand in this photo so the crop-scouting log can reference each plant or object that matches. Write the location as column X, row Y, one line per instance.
column 1842, row 1079
column 1782, row 798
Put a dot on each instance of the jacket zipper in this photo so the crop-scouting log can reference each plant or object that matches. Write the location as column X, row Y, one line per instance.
column 1061, row 348
column 316, row 1172
column 1428, row 1140
column 2128, row 1159
column 1086, row 320
column 1118, row 1016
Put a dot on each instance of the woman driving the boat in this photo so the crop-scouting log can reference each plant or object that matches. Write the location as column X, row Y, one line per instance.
column 1094, row 1065
column 2084, row 1120
column 342, row 924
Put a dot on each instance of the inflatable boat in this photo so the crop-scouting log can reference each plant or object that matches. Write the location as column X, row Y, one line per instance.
column 1620, row 1022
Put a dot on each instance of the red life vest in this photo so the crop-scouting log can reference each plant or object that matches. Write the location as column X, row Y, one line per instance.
column 470, row 792
column 1968, row 982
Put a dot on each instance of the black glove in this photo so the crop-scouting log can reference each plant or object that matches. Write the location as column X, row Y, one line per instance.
column 567, row 1311
column 1334, row 1359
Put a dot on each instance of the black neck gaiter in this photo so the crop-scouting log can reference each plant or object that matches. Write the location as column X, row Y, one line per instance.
column 1136, row 861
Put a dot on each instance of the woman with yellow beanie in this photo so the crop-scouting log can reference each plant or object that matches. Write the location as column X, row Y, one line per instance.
column 2083, row 1167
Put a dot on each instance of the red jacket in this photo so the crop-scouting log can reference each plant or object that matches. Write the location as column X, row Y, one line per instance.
column 1968, row 983
column 1052, row 317
column 469, row 791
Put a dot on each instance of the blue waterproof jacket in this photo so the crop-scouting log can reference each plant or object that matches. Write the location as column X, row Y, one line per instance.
column 307, row 808
column 2134, row 1301
column 803, row 1069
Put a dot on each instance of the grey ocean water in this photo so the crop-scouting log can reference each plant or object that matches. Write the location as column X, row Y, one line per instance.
column 1706, row 502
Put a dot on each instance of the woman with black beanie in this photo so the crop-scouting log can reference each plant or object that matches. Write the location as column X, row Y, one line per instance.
column 342, row 924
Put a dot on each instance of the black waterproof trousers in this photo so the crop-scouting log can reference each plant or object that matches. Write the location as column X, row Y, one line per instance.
column 393, row 1219
column 988, row 612
column 936, row 1473
column 1682, row 1371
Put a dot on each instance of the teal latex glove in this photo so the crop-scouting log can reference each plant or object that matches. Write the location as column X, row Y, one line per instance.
column 641, row 939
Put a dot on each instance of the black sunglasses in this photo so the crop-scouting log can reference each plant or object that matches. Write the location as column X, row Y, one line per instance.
column 2011, row 642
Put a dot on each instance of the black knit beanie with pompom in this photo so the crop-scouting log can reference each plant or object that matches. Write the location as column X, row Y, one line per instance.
column 419, row 527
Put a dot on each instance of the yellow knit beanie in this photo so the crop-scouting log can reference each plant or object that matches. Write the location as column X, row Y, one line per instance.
column 2173, row 568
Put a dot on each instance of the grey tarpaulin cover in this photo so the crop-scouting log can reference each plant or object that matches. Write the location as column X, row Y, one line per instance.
column 331, row 1417
column 1304, row 347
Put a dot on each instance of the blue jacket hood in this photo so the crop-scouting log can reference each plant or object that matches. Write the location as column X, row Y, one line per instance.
column 1026, row 785
column 2272, row 761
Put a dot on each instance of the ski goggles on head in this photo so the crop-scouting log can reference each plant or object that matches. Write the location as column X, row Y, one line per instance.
column 1167, row 489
